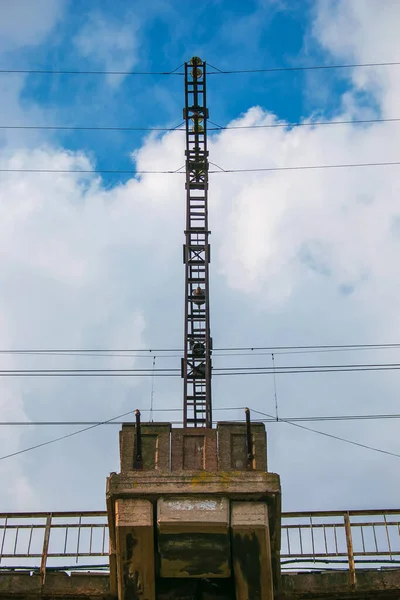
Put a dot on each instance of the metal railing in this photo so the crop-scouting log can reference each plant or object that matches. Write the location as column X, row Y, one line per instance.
column 59, row 540
column 309, row 540
column 340, row 539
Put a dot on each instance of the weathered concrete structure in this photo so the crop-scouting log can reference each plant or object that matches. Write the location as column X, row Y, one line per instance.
column 196, row 504
column 194, row 514
column 373, row 585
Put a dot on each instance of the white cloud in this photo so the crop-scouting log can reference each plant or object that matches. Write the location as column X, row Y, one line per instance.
column 109, row 43
column 24, row 23
column 297, row 257
column 364, row 32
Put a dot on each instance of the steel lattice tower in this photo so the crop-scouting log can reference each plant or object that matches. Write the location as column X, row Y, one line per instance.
column 196, row 364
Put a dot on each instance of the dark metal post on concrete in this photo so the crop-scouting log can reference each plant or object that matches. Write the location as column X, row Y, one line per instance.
column 138, row 459
column 249, row 439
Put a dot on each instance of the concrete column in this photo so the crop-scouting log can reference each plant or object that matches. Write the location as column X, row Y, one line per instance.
column 135, row 549
column 251, row 551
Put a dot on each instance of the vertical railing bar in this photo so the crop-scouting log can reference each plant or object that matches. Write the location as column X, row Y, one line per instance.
column 350, row 553
column 288, row 539
column 362, row 538
column 16, row 539
column 4, row 537
column 91, row 535
column 312, row 538
column 79, row 538
column 30, row 540
column 326, row 545
column 104, row 538
column 66, row 539
column 376, row 543
column 336, row 546
column 45, row 550
column 301, row 542
column 388, row 539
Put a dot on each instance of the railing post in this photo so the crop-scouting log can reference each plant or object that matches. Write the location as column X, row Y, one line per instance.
column 45, row 550
column 350, row 553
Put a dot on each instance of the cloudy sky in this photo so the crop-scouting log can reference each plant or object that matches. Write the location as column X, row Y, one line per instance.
column 298, row 257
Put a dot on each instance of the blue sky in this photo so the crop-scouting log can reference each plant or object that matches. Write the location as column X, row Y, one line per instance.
column 298, row 258
column 229, row 35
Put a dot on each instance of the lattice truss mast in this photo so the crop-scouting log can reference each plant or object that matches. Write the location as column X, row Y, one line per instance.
column 196, row 364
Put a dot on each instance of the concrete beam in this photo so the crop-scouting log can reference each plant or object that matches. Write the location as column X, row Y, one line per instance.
column 251, row 551
column 193, row 536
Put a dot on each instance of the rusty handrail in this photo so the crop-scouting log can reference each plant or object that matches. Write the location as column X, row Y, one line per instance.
column 359, row 538
column 331, row 538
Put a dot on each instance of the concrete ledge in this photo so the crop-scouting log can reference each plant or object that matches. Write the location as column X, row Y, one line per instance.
column 57, row 585
column 335, row 585
column 237, row 484
column 371, row 584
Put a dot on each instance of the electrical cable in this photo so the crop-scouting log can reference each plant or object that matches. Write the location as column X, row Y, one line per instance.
column 88, row 128
column 335, row 437
column 216, row 128
column 275, row 392
column 226, row 349
column 96, row 171
column 275, row 368
column 304, row 167
column 218, row 71
column 152, row 391
column 270, row 419
column 313, row 419
column 305, row 371
column 211, row 171
column 77, row 72
column 220, row 371
column 298, row 124
column 63, row 437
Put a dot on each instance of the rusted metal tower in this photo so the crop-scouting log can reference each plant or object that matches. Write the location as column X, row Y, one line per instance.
column 196, row 364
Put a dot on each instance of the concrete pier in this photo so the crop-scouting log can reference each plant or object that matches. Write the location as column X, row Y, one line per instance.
column 201, row 507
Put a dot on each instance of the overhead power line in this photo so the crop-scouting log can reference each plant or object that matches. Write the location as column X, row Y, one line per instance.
column 305, row 371
column 309, row 419
column 217, row 371
column 216, row 127
column 329, row 435
column 306, row 167
column 217, row 171
column 63, row 437
column 269, row 418
column 251, row 349
column 83, row 72
column 277, row 368
column 310, row 347
column 299, row 124
column 216, row 71
column 95, row 128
